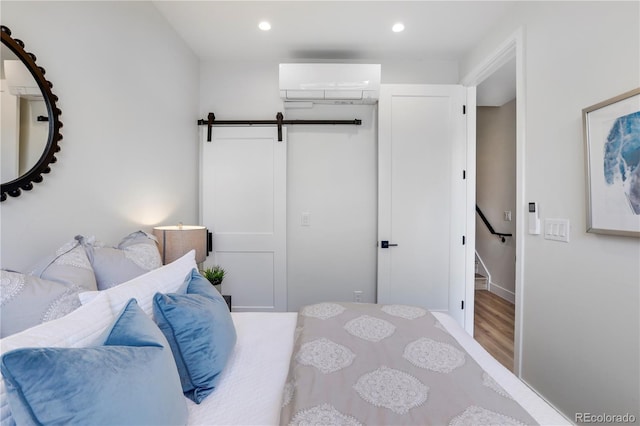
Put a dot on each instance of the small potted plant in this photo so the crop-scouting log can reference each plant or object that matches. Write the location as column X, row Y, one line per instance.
column 215, row 276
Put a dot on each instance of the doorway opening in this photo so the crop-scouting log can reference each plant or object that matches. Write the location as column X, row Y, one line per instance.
column 496, row 231
column 499, row 173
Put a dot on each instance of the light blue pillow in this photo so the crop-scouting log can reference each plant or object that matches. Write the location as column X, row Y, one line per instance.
column 130, row 380
column 197, row 323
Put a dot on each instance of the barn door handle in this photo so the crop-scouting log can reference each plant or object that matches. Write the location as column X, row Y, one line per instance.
column 385, row 244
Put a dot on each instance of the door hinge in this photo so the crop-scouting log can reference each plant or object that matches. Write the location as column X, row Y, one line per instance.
column 464, row 240
column 464, row 174
column 462, row 304
column 464, row 109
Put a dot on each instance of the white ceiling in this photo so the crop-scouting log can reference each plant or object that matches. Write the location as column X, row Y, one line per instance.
column 500, row 87
column 332, row 30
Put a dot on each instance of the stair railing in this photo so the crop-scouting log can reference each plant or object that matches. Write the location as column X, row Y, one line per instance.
column 493, row 231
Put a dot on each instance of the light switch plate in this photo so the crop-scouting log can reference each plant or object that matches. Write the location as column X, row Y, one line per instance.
column 557, row 229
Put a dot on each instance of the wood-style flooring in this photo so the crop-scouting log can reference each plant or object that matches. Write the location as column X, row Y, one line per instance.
column 494, row 324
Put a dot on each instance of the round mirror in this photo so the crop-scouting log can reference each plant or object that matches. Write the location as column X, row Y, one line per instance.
column 30, row 129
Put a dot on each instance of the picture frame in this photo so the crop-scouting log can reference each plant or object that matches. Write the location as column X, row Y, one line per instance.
column 612, row 156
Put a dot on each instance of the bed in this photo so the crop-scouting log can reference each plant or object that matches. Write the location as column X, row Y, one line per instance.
column 255, row 387
column 259, row 375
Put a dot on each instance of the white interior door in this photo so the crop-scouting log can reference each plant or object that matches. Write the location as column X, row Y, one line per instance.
column 422, row 197
column 243, row 202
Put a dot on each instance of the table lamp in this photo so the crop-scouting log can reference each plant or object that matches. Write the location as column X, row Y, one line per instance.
column 175, row 241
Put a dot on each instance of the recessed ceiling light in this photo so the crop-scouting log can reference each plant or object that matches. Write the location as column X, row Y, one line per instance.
column 264, row 26
column 397, row 28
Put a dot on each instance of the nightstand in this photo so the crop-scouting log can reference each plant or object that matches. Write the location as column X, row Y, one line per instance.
column 227, row 298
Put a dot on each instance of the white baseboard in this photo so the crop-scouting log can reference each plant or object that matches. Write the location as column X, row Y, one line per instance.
column 502, row 292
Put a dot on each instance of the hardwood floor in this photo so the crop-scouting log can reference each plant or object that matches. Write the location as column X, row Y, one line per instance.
column 494, row 325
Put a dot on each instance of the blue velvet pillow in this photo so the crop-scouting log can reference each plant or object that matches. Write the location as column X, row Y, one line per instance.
column 130, row 380
column 200, row 331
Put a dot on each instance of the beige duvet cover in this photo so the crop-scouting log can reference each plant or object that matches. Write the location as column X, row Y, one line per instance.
column 366, row 364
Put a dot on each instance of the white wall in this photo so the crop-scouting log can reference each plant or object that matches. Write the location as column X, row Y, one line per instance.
column 331, row 173
column 581, row 323
column 128, row 90
column 496, row 193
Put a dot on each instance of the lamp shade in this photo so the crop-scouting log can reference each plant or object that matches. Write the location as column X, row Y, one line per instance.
column 176, row 241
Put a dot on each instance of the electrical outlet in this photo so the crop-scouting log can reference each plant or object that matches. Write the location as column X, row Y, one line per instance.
column 305, row 219
column 357, row 296
column 507, row 216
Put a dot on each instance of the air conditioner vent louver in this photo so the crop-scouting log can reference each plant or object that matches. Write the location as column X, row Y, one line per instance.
column 330, row 83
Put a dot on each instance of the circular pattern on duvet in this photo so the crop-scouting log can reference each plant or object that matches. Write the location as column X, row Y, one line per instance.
column 490, row 382
column 287, row 394
column 392, row 389
column 440, row 327
column 475, row 415
column 325, row 355
column 404, row 311
column 11, row 284
column 324, row 414
column 432, row 355
column 322, row 310
column 370, row 328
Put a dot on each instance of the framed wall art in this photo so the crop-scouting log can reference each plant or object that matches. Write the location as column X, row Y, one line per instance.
column 612, row 148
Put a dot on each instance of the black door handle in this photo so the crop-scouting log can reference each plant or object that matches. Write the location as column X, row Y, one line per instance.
column 385, row 244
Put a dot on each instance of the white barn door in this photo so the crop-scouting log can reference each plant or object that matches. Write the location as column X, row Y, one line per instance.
column 422, row 197
column 243, row 203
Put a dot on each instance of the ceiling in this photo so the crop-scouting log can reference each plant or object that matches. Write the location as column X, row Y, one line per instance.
column 500, row 87
column 331, row 30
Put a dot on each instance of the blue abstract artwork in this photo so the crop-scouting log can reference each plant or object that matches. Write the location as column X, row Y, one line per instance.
column 622, row 158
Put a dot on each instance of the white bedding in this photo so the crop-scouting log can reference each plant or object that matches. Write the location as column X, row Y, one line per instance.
column 250, row 391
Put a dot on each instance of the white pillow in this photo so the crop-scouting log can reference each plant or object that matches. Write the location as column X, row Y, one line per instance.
column 166, row 279
column 78, row 329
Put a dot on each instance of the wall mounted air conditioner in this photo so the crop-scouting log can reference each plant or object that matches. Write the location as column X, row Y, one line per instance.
column 330, row 83
column 20, row 81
